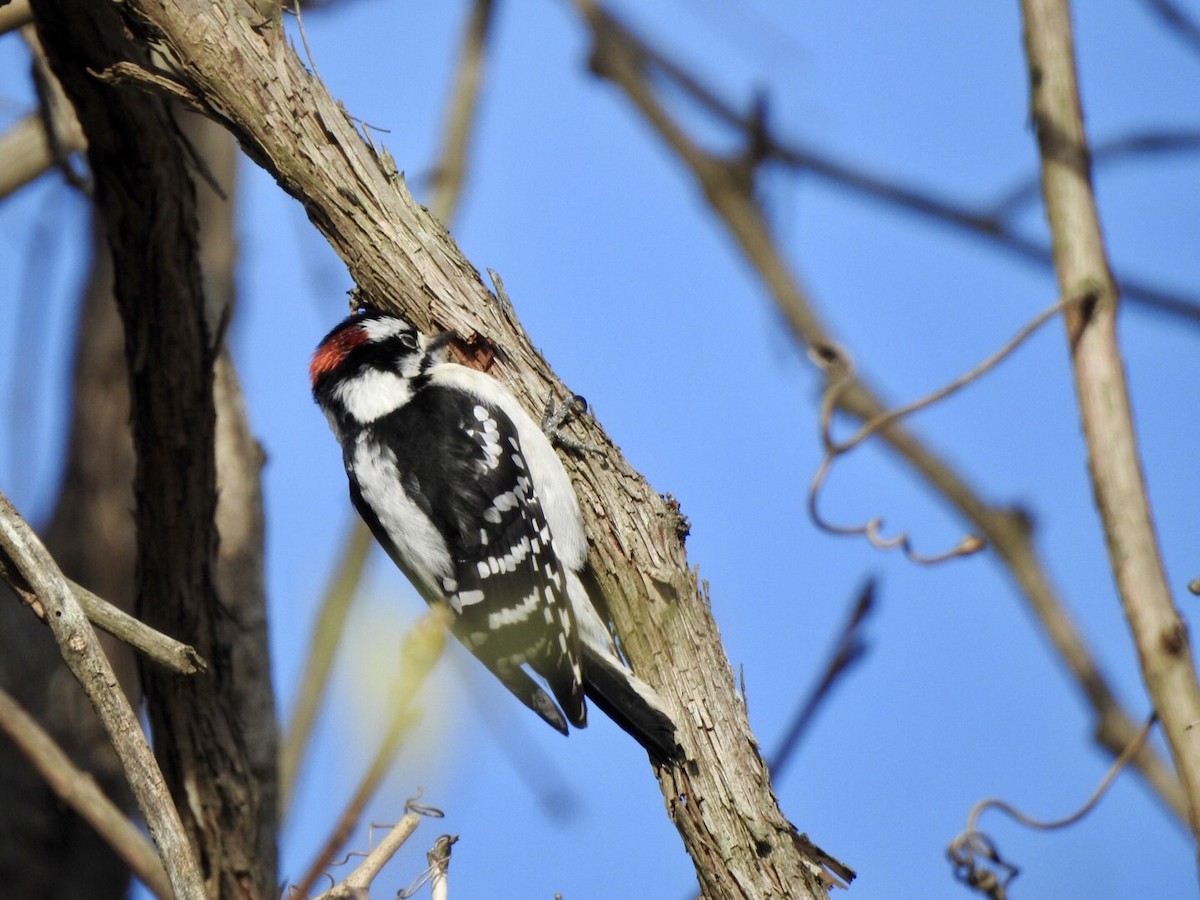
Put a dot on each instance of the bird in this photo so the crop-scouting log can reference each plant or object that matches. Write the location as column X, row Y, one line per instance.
column 466, row 494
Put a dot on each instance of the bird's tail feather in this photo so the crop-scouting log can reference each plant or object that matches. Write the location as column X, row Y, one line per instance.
column 630, row 703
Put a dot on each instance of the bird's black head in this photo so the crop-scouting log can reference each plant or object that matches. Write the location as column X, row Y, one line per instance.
column 368, row 340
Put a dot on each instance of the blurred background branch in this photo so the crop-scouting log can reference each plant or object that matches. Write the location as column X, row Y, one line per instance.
column 622, row 58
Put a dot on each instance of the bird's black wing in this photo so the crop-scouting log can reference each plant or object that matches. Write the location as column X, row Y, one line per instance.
column 459, row 460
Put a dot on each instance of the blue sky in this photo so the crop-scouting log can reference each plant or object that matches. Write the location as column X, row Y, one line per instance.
column 641, row 303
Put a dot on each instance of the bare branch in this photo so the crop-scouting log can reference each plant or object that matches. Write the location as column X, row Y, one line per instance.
column 327, row 632
column 47, row 139
column 421, row 648
column 1177, row 21
column 1118, row 486
column 164, row 650
column 450, row 173
column 87, row 662
column 14, row 15
column 848, row 651
column 358, row 883
column 618, row 56
column 763, row 146
column 79, row 791
column 25, row 153
column 1132, row 146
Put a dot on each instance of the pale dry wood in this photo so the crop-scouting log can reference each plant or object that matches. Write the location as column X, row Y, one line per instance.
column 25, row 153
column 1118, row 484
column 358, row 882
column 14, row 15
column 87, row 662
column 166, row 651
column 402, row 259
column 39, row 141
column 78, row 790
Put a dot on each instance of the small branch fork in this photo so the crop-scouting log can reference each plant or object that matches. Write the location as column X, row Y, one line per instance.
column 357, row 885
column 166, row 651
column 990, row 223
column 78, row 790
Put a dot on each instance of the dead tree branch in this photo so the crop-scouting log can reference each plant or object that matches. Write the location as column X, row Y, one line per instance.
column 1118, row 486
column 402, row 259
column 87, row 661
column 621, row 57
column 166, row 651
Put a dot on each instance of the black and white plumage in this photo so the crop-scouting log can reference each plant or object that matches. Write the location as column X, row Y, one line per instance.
column 469, row 499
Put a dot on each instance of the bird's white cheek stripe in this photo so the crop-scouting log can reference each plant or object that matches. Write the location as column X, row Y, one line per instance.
column 415, row 536
column 372, row 394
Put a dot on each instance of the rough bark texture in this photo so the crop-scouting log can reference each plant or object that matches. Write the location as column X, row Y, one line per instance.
column 402, row 259
column 223, row 787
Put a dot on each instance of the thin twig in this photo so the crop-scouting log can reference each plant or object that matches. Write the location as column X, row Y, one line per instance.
column 358, row 882
column 327, row 633
column 83, row 654
column 421, row 648
column 1143, row 143
column 166, row 651
column 979, row 223
column 450, row 174
column 78, row 790
column 618, row 55
column 1113, row 458
column 1178, row 21
column 847, row 652
column 14, row 15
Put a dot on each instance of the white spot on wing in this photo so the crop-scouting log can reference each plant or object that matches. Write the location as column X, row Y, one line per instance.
column 469, row 598
column 514, row 614
column 550, row 482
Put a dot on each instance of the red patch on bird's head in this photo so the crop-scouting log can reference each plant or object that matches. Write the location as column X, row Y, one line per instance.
column 335, row 348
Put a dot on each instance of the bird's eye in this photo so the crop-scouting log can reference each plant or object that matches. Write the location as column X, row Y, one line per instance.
column 408, row 339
